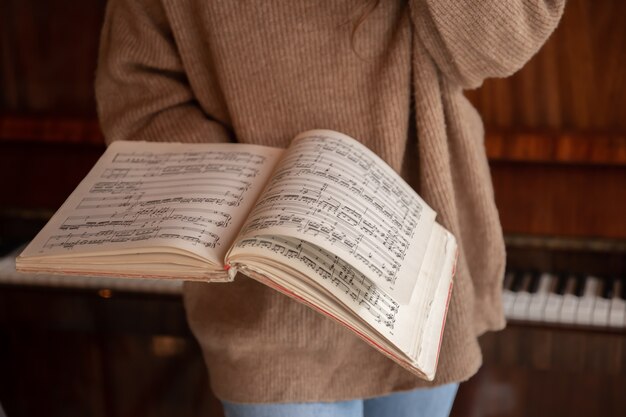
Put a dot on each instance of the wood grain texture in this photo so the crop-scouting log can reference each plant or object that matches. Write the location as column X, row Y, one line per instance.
column 565, row 200
column 575, row 83
column 49, row 51
column 47, row 129
column 74, row 353
column 541, row 371
column 556, row 147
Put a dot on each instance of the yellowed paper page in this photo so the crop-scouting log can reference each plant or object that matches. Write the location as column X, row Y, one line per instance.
column 332, row 191
column 142, row 195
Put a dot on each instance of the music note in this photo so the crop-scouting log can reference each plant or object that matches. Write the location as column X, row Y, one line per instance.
column 336, row 194
column 189, row 194
column 362, row 293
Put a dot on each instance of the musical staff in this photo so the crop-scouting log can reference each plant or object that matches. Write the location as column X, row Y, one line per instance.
column 191, row 197
column 362, row 294
column 345, row 201
column 194, row 235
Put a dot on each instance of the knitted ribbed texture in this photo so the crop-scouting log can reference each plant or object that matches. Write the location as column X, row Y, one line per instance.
column 199, row 71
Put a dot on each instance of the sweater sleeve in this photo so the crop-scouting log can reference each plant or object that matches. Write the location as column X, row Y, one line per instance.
column 471, row 40
column 142, row 91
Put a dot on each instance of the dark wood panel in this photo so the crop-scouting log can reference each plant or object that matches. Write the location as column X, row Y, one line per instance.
column 567, row 200
column 520, row 392
column 48, row 129
column 49, row 51
column 80, row 354
column 539, row 371
column 556, row 147
column 576, row 82
column 74, row 353
column 38, row 175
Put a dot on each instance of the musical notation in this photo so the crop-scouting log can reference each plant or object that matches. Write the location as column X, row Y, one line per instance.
column 345, row 201
column 362, row 293
column 193, row 235
column 193, row 197
column 168, row 163
column 191, row 225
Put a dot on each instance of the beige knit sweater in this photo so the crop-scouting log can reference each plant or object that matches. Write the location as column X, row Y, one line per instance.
column 261, row 72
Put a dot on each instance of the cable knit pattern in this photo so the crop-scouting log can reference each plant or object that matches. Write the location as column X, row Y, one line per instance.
column 209, row 71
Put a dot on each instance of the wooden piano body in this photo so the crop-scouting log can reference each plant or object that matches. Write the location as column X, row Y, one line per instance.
column 556, row 140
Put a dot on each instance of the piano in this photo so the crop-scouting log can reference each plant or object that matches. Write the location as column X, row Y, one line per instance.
column 568, row 282
column 556, row 142
column 583, row 300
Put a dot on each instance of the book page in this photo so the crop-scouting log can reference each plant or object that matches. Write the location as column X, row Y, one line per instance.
column 142, row 195
column 356, row 291
column 330, row 285
column 332, row 191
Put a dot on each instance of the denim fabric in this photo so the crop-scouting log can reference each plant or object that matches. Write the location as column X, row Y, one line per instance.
column 433, row 402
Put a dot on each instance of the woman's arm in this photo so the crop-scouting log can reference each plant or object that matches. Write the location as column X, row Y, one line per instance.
column 142, row 90
column 471, row 40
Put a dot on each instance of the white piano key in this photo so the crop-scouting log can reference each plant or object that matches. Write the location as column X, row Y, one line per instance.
column 522, row 299
column 602, row 307
column 540, row 298
column 570, row 303
column 617, row 313
column 507, row 295
column 554, row 302
column 587, row 302
column 9, row 275
column 600, row 316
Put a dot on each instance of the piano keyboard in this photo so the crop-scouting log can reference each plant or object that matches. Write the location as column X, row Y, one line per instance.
column 565, row 299
column 8, row 275
column 527, row 296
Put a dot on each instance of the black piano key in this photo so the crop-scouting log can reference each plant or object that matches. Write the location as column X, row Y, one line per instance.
column 526, row 279
column 623, row 287
column 561, row 284
column 579, row 289
column 599, row 287
column 608, row 288
column 518, row 281
column 570, row 285
column 534, row 282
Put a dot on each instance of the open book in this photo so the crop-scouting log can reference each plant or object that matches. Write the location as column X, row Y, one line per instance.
column 325, row 221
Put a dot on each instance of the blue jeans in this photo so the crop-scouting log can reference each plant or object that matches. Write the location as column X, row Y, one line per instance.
column 432, row 402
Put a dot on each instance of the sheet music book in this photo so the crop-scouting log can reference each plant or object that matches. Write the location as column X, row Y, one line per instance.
column 325, row 221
